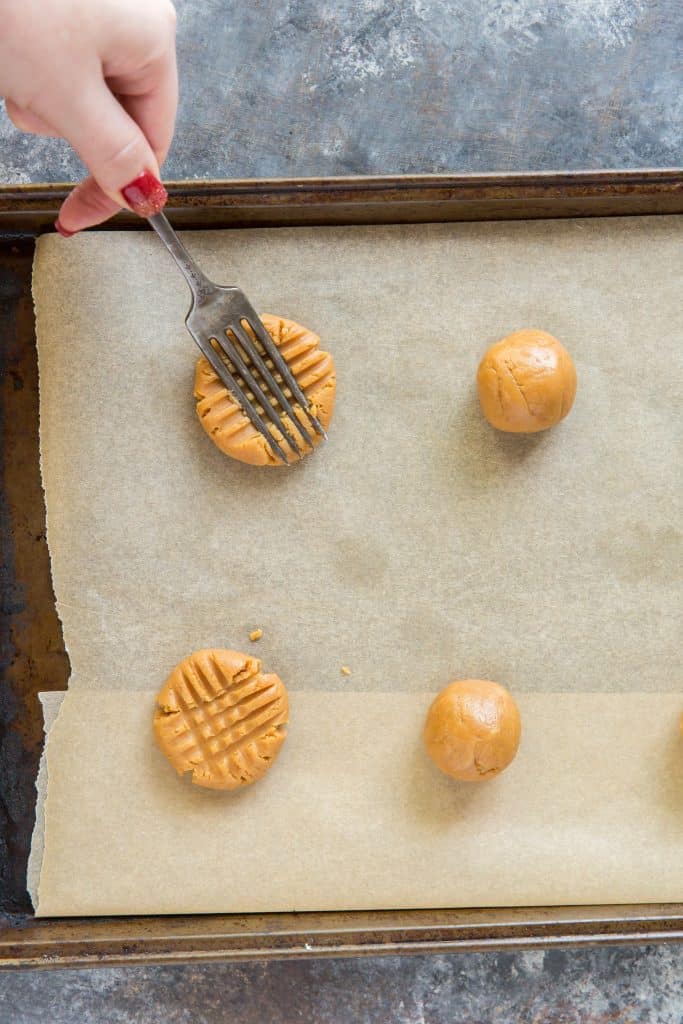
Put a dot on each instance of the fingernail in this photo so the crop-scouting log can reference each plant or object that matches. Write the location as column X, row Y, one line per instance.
column 145, row 195
column 63, row 232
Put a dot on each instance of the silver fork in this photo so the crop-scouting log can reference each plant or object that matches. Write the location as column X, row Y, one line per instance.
column 216, row 313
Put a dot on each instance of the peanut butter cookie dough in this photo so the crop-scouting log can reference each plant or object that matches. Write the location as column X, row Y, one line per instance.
column 526, row 382
column 472, row 730
column 219, row 717
column 229, row 428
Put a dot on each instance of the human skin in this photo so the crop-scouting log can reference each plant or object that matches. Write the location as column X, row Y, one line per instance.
column 100, row 75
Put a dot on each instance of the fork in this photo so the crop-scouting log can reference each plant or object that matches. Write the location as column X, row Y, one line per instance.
column 218, row 315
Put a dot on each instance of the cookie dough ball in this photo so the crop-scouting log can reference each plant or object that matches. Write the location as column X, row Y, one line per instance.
column 221, row 718
column 472, row 730
column 231, row 430
column 526, row 382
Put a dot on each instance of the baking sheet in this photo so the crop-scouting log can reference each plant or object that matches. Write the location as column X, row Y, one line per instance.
column 419, row 546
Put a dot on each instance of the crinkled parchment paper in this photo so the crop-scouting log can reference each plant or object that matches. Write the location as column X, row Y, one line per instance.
column 416, row 547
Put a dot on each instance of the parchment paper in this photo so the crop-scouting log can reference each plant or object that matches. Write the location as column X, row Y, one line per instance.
column 417, row 547
column 357, row 817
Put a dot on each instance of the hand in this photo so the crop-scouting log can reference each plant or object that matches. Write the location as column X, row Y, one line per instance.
column 102, row 75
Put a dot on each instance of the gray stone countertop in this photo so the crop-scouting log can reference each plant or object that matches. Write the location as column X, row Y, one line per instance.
column 326, row 87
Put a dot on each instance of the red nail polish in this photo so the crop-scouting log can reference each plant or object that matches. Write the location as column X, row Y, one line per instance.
column 145, row 195
column 63, row 232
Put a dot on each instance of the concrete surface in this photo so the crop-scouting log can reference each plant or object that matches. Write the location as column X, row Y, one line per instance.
column 599, row 986
column 308, row 87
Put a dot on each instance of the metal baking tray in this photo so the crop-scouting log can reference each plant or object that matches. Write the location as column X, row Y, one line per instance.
column 32, row 656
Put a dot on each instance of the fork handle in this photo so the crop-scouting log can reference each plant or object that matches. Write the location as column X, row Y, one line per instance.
column 199, row 283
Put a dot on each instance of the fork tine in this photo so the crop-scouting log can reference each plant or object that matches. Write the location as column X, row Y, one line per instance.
column 252, row 351
column 232, row 353
column 227, row 379
column 288, row 377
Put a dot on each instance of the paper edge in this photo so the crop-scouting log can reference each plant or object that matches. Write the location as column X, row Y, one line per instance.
column 51, row 702
column 41, row 243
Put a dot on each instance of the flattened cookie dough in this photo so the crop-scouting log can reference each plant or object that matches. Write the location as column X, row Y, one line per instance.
column 473, row 729
column 526, row 382
column 231, row 430
column 221, row 718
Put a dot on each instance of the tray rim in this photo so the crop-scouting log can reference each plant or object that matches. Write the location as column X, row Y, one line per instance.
column 76, row 942
column 84, row 942
column 363, row 199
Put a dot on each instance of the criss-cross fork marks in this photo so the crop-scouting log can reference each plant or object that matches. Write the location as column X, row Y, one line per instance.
column 313, row 369
column 244, row 357
column 225, row 730
column 303, row 358
column 254, row 369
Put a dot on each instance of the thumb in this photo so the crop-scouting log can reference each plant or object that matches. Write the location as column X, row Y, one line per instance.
column 124, row 170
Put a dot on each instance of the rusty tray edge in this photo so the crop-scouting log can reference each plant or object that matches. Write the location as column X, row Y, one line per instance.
column 353, row 200
column 78, row 943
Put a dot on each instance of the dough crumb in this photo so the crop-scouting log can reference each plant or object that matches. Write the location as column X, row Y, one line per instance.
column 346, row 671
column 256, row 634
